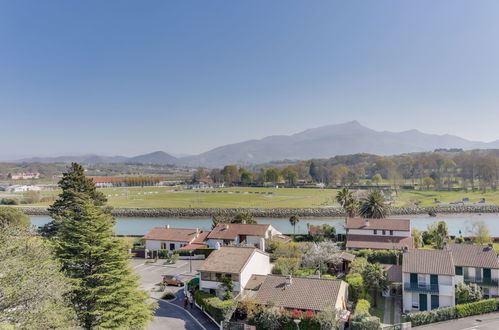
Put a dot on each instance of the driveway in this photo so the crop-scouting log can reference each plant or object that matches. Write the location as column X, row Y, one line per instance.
column 171, row 315
column 479, row 322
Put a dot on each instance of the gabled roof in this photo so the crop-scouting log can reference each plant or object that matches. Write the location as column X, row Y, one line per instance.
column 379, row 224
column 176, row 235
column 231, row 230
column 393, row 272
column 347, row 256
column 229, row 259
column 303, row 293
column 468, row 255
column 379, row 242
column 425, row 261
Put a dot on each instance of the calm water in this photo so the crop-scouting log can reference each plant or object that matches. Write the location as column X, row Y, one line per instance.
column 140, row 226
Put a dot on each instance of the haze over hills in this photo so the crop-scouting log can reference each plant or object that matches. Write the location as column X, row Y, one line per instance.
column 322, row 142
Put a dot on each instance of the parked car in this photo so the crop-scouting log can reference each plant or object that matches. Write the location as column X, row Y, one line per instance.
column 174, row 280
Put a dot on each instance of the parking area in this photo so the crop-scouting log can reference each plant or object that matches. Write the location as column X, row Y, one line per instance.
column 171, row 315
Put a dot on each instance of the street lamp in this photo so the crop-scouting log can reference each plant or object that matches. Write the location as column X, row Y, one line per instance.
column 297, row 322
column 190, row 262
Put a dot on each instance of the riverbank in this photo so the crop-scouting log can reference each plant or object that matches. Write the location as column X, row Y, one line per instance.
column 274, row 213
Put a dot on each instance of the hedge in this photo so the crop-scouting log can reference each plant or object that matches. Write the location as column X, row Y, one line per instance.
column 479, row 307
column 449, row 313
column 220, row 310
column 380, row 256
column 201, row 251
column 365, row 322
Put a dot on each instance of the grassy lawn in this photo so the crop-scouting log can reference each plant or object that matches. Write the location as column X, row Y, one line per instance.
column 379, row 310
column 243, row 197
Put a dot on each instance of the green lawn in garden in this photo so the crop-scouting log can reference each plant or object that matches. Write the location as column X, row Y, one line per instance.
column 379, row 310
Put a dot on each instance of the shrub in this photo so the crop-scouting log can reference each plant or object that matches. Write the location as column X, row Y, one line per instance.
column 304, row 272
column 365, row 322
column 358, row 265
column 218, row 309
column 163, row 254
column 286, row 266
column 479, row 307
column 356, row 289
column 380, row 256
column 435, row 315
column 268, row 318
column 466, row 293
column 362, row 307
column 10, row 201
column 168, row 295
column 200, row 251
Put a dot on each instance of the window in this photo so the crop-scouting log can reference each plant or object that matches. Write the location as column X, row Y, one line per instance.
column 384, row 232
column 421, row 280
column 218, row 276
column 478, row 274
column 415, row 300
column 172, row 246
column 391, row 232
column 486, row 293
column 434, row 302
column 163, row 246
column 375, row 232
column 235, row 277
column 459, row 270
column 205, row 276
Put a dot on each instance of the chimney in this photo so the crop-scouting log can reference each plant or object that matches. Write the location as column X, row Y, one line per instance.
column 490, row 246
column 367, row 223
column 445, row 245
column 289, row 281
column 217, row 246
column 167, row 226
column 405, row 249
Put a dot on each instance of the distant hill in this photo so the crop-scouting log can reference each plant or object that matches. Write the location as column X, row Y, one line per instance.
column 322, row 142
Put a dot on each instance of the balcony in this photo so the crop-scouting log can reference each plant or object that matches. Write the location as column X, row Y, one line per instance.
column 482, row 281
column 421, row 287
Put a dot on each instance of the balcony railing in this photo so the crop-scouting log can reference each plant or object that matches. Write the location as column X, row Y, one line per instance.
column 421, row 287
column 482, row 281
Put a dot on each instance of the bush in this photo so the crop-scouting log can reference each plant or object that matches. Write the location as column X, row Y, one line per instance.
column 200, row 251
column 302, row 272
column 356, row 288
column 479, row 307
column 163, row 254
column 10, row 201
column 168, row 295
column 467, row 293
column 286, row 266
column 218, row 309
column 435, row 315
column 365, row 322
column 362, row 307
column 380, row 256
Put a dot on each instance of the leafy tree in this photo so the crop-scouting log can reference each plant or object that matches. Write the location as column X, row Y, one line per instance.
column 356, row 286
column 376, row 280
column 346, row 200
column 428, row 182
column 13, row 218
column 244, row 217
column 480, row 233
column 32, row 286
column 230, row 174
column 438, row 233
column 466, row 293
column 74, row 186
column 418, row 238
column 374, row 206
column 319, row 255
column 105, row 294
column 290, row 175
column 377, row 178
column 359, row 265
column 246, row 177
column 273, row 175
column 293, row 220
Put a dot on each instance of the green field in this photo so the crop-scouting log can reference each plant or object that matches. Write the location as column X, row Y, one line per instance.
column 158, row 197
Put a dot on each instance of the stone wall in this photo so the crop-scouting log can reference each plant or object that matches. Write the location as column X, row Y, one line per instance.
column 274, row 213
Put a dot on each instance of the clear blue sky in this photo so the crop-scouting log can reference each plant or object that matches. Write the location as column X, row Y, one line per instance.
column 128, row 77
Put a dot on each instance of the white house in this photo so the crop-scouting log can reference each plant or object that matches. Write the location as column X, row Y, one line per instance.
column 241, row 234
column 238, row 263
column 428, row 278
column 166, row 238
column 378, row 234
column 22, row 188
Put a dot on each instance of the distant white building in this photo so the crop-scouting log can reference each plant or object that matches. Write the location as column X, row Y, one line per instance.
column 238, row 263
column 25, row 176
column 22, row 188
column 378, row 234
column 166, row 238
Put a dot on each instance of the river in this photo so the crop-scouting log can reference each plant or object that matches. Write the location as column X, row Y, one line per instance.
column 140, row 226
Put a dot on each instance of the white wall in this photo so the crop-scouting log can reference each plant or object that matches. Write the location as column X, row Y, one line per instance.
column 379, row 232
column 258, row 264
column 156, row 245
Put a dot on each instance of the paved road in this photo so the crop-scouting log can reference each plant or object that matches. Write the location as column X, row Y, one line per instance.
column 479, row 322
column 171, row 315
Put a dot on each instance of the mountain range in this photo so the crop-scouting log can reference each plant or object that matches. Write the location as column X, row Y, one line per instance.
column 322, row 142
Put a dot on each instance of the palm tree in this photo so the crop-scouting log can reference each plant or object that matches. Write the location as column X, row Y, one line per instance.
column 346, row 200
column 374, row 206
column 375, row 279
column 293, row 220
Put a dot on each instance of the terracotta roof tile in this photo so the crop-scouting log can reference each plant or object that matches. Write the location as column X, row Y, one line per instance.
column 379, row 224
column 176, row 235
column 303, row 293
column 379, row 242
column 425, row 261
column 229, row 259
column 231, row 230
column 480, row 256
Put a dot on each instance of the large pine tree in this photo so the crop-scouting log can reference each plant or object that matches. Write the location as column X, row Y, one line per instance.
column 105, row 292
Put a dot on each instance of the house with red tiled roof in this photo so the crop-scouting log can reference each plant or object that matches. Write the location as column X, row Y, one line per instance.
column 166, row 238
column 241, row 234
column 378, row 234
